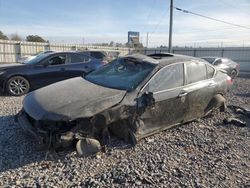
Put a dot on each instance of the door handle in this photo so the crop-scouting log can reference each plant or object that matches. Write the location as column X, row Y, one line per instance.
column 182, row 94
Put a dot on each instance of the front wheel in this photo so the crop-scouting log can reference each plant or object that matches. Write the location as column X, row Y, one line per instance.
column 17, row 86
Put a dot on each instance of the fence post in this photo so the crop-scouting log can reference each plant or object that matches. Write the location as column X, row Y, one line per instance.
column 195, row 52
column 222, row 52
column 4, row 59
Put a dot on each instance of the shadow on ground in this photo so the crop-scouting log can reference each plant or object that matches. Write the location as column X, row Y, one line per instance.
column 243, row 94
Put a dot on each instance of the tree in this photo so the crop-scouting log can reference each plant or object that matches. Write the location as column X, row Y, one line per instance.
column 3, row 36
column 34, row 38
column 112, row 43
column 15, row 37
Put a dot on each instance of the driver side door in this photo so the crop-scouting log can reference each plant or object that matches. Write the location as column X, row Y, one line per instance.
column 171, row 106
column 51, row 70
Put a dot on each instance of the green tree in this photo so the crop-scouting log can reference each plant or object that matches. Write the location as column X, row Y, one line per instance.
column 3, row 36
column 34, row 38
column 15, row 37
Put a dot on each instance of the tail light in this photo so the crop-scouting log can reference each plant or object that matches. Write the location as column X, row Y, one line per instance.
column 229, row 80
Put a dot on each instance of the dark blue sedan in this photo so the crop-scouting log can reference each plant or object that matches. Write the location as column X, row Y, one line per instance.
column 45, row 69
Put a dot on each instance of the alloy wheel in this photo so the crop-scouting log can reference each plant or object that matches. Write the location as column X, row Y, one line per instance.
column 18, row 86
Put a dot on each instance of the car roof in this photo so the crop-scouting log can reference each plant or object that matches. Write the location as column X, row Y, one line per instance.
column 213, row 57
column 163, row 59
column 67, row 52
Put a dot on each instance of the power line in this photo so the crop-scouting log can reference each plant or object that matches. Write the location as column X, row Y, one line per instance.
column 161, row 19
column 149, row 15
column 210, row 18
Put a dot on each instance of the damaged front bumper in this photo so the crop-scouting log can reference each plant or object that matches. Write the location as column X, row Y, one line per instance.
column 58, row 136
column 47, row 139
column 26, row 125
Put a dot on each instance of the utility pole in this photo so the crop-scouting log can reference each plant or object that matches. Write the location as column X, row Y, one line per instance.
column 170, row 27
column 147, row 41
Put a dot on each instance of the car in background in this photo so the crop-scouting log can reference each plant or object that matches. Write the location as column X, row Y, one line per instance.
column 132, row 97
column 232, row 68
column 100, row 55
column 46, row 68
column 29, row 57
column 112, row 55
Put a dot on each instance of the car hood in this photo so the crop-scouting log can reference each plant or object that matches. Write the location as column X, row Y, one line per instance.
column 70, row 99
column 7, row 65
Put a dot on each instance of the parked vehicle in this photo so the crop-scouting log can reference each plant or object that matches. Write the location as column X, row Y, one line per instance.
column 100, row 55
column 232, row 68
column 44, row 69
column 29, row 57
column 132, row 97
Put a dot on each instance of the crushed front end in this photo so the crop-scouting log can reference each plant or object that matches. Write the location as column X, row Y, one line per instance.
column 58, row 135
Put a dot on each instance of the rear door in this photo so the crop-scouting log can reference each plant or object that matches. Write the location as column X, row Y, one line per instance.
column 200, row 87
column 79, row 64
column 170, row 100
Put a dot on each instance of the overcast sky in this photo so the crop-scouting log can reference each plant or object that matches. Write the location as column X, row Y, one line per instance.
column 109, row 20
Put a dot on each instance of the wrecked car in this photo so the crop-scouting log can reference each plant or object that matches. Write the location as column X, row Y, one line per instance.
column 229, row 66
column 132, row 97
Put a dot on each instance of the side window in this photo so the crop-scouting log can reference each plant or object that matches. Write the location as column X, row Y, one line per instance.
column 209, row 60
column 57, row 60
column 97, row 55
column 210, row 71
column 78, row 58
column 196, row 72
column 167, row 78
column 218, row 62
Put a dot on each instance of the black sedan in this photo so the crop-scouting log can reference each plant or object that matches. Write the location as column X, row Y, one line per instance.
column 232, row 68
column 45, row 69
column 132, row 97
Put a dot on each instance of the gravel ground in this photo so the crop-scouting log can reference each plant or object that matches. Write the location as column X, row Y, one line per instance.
column 203, row 153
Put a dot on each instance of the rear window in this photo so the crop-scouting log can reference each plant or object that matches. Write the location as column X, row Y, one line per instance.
column 209, row 59
column 196, row 72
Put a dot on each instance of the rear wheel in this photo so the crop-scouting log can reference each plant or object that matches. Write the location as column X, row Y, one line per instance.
column 17, row 86
column 233, row 74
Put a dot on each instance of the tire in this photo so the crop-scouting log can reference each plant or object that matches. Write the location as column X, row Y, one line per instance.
column 233, row 74
column 17, row 86
column 88, row 147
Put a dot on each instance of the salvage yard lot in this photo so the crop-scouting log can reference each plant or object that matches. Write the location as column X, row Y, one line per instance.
column 203, row 153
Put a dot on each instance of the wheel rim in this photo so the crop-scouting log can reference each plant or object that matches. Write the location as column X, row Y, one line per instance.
column 233, row 74
column 18, row 86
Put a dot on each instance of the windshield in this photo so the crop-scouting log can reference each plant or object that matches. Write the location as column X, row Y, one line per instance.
column 37, row 59
column 122, row 73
